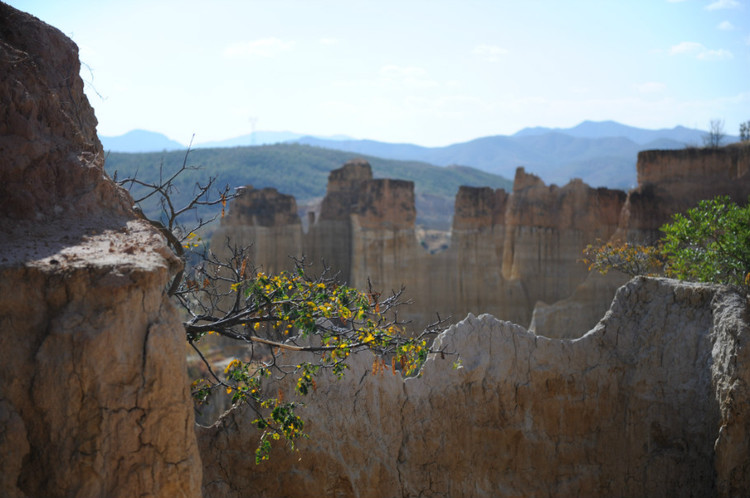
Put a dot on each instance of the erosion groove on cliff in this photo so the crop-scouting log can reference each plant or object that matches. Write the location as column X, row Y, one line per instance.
column 651, row 402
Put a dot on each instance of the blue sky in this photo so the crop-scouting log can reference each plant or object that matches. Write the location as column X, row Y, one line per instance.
column 431, row 72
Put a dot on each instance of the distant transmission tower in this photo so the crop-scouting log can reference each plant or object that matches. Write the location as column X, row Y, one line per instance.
column 253, row 124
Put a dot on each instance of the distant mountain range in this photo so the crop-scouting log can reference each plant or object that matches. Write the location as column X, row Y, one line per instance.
column 149, row 141
column 600, row 153
column 140, row 141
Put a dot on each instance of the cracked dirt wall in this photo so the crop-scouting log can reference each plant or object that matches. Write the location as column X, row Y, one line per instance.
column 651, row 402
column 93, row 384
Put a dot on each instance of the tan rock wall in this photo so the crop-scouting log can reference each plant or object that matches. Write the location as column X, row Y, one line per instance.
column 507, row 252
column 671, row 182
column 93, row 386
column 94, row 372
column 46, row 125
column 651, row 402
column 343, row 188
column 547, row 228
column 479, row 208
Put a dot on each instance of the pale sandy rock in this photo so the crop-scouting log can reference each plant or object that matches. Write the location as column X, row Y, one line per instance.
column 359, row 418
column 93, row 386
column 94, row 368
column 569, row 318
column 731, row 377
column 547, row 228
column 329, row 241
column 270, row 249
column 652, row 402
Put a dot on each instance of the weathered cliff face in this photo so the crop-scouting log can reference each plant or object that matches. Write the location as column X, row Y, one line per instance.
column 383, row 234
column 265, row 207
column 652, row 402
column 547, row 228
column 40, row 80
column 577, row 313
column 329, row 239
column 264, row 220
column 507, row 252
column 671, row 182
column 477, row 241
column 93, row 388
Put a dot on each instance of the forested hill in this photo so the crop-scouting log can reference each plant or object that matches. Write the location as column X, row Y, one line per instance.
column 302, row 171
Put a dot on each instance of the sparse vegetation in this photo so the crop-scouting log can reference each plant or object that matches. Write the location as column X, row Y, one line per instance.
column 715, row 135
column 745, row 131
column 630, row 259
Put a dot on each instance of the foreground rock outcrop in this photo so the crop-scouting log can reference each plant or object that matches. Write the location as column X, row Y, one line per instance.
column 93, row 388
column 653, row 401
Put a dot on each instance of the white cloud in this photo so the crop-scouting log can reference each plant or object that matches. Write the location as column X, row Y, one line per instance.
column 490, row 52
column 651, row 87
column 712, row 55
column 686, row 48
column 723, row 4
column 699, row 51
column 392, row 71
column 726, row 26
column 411, row 76
column 266, row 47
column 329, row 41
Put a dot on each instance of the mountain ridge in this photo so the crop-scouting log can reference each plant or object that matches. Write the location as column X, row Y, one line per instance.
column 600, row 153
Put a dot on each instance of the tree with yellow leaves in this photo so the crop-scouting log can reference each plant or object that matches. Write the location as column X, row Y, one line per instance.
column 311, row 314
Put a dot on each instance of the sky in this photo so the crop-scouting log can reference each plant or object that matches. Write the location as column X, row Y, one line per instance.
column 429, row 72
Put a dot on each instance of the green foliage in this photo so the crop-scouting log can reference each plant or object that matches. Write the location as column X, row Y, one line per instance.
column 320, row 320
column 710, row 243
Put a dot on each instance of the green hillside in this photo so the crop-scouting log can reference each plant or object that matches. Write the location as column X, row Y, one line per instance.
column 299, row 170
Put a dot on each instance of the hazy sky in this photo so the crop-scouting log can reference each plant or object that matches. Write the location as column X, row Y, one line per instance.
column 431, row 72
